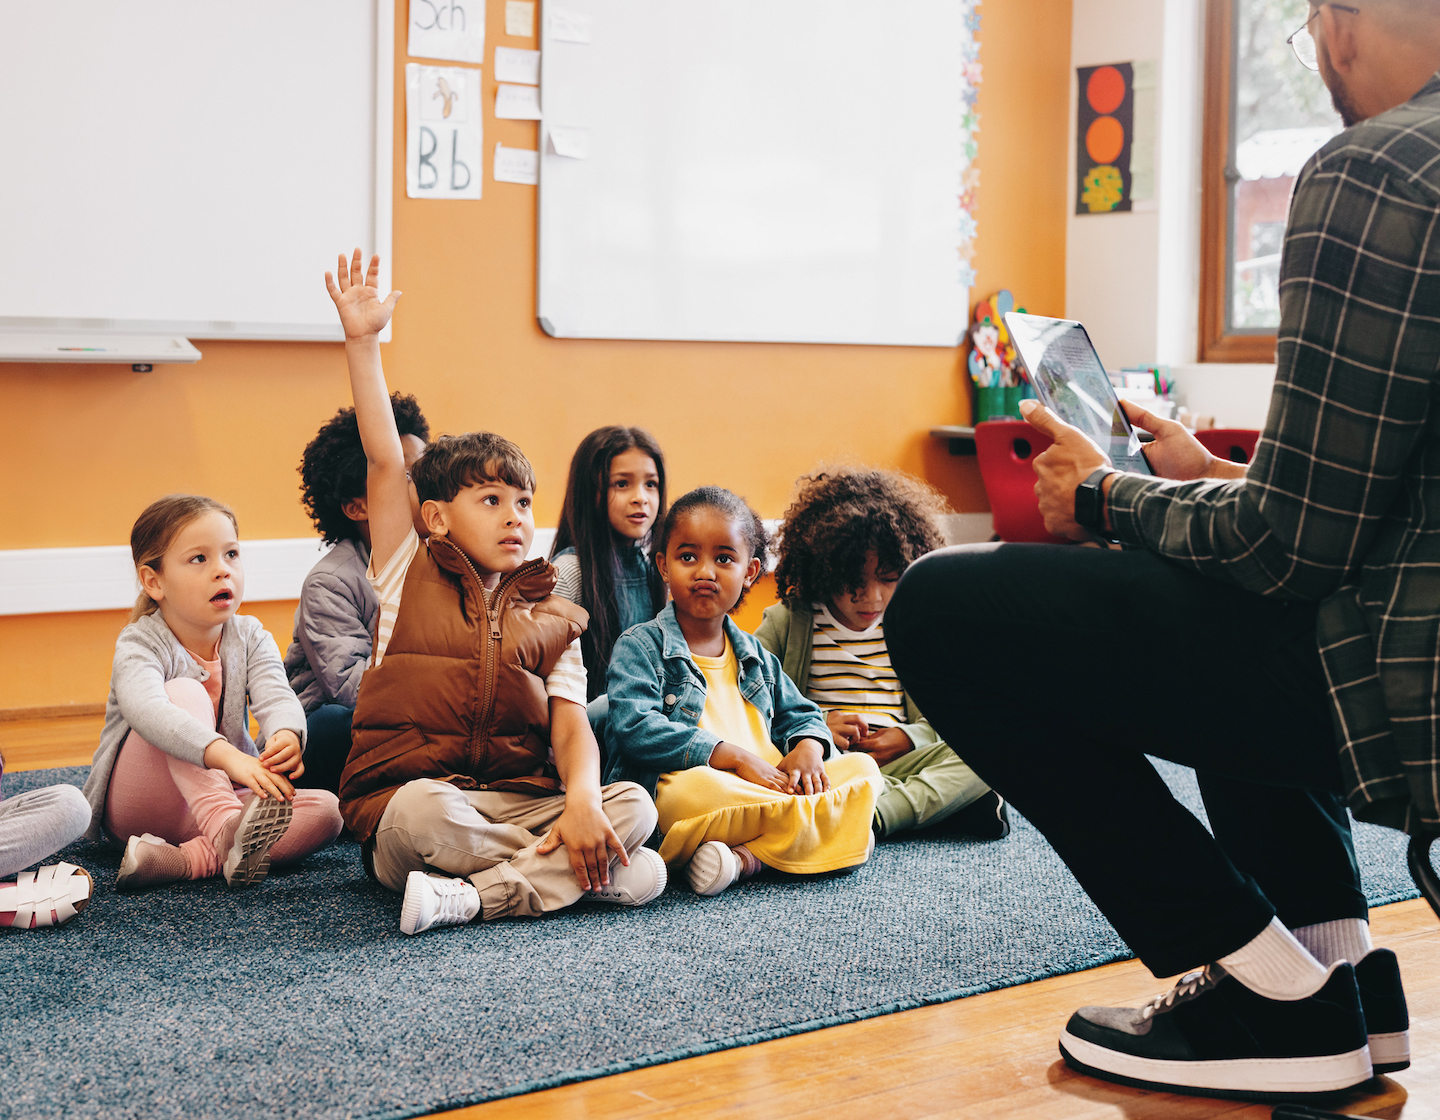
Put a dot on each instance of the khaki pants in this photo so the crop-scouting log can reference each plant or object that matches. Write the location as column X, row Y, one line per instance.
column 490, row 838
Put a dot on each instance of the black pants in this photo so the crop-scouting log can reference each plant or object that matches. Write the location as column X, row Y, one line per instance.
column 1053, row 670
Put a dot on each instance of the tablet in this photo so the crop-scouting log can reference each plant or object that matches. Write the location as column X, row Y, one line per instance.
column 1071, row 382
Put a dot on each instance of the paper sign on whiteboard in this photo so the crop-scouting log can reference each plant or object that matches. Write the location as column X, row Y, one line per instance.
column 444, row 132
column 573, row 143
column 568, row 27
column 520, row 18
column 517, row 103
column 516, row 165
column 515, row 65
column 453, row 29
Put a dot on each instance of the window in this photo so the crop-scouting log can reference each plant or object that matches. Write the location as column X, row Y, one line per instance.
column 1265, row 115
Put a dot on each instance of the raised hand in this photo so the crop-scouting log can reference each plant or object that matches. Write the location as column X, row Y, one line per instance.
column 363, row 313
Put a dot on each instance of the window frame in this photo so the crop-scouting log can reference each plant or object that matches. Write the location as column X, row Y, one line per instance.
column 1216, row 178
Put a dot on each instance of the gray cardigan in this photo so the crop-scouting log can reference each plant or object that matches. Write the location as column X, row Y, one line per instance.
column 333, row 627
column 147, row 655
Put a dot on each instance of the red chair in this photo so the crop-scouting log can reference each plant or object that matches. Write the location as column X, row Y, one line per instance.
column 1004, row 449
column 1235, row 444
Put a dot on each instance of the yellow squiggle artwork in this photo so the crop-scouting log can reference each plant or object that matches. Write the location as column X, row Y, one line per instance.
column 1103, row 188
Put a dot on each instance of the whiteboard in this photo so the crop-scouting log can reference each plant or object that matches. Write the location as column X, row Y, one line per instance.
column 758, row 170
column 190, row 166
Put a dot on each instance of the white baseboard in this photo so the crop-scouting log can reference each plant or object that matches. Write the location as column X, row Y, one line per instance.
column 102, row 577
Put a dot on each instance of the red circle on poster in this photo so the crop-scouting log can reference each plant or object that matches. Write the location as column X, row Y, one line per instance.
column 1104, row 139
column 1105, row 89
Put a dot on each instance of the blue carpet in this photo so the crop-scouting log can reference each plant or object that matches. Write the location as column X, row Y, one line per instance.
column 302, row 998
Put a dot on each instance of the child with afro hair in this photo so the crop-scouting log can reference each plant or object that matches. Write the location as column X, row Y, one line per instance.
column 844, row 543
column 336, row 616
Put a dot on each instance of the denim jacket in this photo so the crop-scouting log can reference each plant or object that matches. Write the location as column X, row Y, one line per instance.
column 657, row 693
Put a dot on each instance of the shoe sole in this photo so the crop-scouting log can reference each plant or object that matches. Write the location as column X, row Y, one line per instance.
column 1390, row 1053
column 717, row 883
column 264, row 822
column 410, row 909
column 1259, row 1079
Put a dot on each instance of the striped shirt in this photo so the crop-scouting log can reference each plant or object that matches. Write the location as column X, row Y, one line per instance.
column 850, row 671
column 566, row 680
column 1341, row 502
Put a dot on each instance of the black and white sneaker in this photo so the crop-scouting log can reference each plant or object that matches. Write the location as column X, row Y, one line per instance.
column 986, row 818
column 1212, row 1035
column 1387, row 1019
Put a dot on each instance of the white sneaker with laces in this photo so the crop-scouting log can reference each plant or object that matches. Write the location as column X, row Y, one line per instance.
column 712, row 868
column 434, row 900
column 643, row 881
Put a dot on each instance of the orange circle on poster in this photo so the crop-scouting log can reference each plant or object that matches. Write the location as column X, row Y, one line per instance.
column 1104, row 139
column 1105, row 89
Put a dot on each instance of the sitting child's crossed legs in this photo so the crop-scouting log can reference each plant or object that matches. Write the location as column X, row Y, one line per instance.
column 151, row 791
column 491, row 838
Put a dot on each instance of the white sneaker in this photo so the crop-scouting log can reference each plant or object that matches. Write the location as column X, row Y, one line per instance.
column 643, row 881
column 433, row 900
column 712, row 868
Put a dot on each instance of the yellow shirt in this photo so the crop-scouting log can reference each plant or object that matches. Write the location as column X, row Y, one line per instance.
column 727, row 713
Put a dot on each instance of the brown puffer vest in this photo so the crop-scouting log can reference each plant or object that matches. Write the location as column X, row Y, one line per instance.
column 460, row 693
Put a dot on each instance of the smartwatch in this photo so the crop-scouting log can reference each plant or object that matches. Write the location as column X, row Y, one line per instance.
column 1090, row 500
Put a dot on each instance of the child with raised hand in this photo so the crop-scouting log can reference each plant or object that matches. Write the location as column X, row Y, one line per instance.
column 706, row 719
column 336, row 615
column 175, row 753
column 615, row 494
column 846, row 540
column 472, row 754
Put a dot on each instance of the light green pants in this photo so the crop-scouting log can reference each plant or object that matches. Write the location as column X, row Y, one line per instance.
column 925, row 786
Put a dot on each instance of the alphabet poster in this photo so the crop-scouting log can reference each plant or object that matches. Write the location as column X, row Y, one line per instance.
column 1104, row 133
column 451, row 29
column 444, row 132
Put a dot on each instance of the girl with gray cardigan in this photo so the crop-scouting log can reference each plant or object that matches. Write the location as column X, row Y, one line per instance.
column 177, row 778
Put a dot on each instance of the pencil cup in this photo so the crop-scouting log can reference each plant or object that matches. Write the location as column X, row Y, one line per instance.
column 989, row 403
column 1013, row 395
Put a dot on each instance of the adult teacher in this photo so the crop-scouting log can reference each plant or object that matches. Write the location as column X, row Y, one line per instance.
column 1276, row 627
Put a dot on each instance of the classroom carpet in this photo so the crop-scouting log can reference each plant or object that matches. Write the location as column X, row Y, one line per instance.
column 302, row 998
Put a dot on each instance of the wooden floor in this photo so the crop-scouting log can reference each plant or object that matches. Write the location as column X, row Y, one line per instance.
column 988, row 1056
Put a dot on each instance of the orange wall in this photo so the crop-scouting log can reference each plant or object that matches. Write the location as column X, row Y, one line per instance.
column 86, row 448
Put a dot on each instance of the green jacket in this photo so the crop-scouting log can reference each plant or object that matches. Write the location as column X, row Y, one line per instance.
column 790, row 636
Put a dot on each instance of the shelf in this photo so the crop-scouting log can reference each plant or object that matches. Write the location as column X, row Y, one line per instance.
column 78, row 346
column 961, row 440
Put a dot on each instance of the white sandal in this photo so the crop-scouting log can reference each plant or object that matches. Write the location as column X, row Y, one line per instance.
column 50, row 895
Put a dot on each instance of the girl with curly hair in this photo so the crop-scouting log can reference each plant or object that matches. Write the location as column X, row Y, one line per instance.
column 336, row 616
column 846, row 540
column 706, row 720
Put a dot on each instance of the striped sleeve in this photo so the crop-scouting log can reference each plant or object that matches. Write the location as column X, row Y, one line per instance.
column 388, row 585
column 567, row 679
column 567, row 576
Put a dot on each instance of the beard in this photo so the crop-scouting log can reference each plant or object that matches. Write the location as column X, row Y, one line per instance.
column 1339, row 95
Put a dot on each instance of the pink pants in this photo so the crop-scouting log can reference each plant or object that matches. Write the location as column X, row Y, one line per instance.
column 151, row 791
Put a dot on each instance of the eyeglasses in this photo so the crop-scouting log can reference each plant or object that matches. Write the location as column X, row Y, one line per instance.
column 1303, row 43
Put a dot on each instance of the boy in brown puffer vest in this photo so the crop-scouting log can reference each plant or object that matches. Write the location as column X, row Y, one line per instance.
column 472, row 754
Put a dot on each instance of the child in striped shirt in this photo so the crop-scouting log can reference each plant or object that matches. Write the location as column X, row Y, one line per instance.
column 844, row 543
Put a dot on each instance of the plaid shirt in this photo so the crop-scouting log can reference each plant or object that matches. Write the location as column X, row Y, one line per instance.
column 1342, row 500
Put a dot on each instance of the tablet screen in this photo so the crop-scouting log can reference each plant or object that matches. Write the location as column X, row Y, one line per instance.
column 1071, row 382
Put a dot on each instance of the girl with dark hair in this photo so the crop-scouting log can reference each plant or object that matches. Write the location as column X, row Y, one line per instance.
column 703, row 717
column 614, row 496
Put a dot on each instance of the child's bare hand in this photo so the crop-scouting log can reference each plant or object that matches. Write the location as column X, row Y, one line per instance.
column 362, row 312
column 247, row 770
column 846, row 728
column 751, row 767
column 885, row 745
column 282, row 755
column 586, row 832
column 804, row 767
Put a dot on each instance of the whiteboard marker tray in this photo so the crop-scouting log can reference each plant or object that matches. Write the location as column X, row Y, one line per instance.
column 75, row 346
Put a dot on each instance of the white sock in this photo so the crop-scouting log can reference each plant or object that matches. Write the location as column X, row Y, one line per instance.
column 1345, row 939
column 1275, row 965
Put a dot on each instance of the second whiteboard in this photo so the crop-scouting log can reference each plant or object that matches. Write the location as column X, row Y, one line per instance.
column 753, row 170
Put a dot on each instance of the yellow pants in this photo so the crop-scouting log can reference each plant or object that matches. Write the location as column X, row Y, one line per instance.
column 799, row 833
